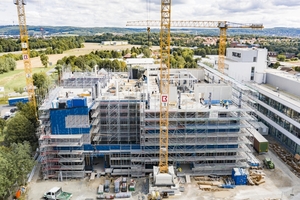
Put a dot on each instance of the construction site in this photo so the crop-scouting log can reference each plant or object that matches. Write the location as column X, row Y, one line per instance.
column 152, row 129
column 109, row 122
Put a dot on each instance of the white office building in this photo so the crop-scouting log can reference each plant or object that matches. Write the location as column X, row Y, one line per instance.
column 246, row 64
column 273, row 94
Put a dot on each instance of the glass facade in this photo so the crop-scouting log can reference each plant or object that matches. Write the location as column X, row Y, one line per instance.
column 280, row 121
column 280, row 107
column 287, row 142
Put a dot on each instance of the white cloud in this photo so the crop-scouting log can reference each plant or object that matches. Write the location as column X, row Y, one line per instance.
column 115, row 13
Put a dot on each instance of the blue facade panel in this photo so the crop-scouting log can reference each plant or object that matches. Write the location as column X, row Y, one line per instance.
column 106, row 147
column 69, row 103
column 58, row 122
column 79, row 102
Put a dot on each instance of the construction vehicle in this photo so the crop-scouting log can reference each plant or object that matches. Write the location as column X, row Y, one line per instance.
column 222, row 25
column 106, row 185
column 269, row 164
column 26, row 51
column 56, row 193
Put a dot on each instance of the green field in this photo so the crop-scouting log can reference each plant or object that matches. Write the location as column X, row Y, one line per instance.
column 16, row 79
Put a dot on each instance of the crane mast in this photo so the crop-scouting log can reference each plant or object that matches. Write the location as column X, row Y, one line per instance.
column 165, row 35
column 25, row 50
column 222, row 46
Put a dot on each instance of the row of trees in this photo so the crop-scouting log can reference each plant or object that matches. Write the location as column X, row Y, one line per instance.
column 103, row 58
column 15, row 164
column 20, row 140
column 55, row 44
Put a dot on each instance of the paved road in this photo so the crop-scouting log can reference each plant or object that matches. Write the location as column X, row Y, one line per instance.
column 4, row 109
column 294, row 190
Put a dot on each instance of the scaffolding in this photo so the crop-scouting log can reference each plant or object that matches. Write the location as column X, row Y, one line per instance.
column 116, row 122
column 59, row 163
column 124, row 130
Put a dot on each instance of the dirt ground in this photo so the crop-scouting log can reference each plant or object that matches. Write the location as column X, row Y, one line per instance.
column 88, row 47
column 280, row 183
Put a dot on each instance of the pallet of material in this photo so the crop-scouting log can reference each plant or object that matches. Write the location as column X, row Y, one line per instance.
column 259, row 182
column 205, row 187
column 250, row 181
column 213, row 183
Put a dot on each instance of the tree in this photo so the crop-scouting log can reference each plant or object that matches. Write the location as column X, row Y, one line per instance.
column 147, row 52
column 28, row 110
column 281, row 58
column 180, row 62
column 8, row 174
column 40, row 80
column 3, row 66
column 44, row 59
column 80, row 62
column 58, row 69
column 115, row 54
column 11, row 64
column 60, row 62
column 123, row 66
column 20, row 129
column 2, row 125
column 22, row 160
column 15, row 164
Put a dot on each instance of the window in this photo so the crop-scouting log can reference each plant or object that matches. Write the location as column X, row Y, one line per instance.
column 252, row 73
column 235, row 54
column 254, row 59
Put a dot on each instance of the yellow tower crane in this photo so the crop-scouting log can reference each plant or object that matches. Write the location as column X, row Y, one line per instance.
column 222, row 25
column 165, row 34
column 25, row 50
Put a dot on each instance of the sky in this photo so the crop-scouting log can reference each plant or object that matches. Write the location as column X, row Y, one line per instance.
column 115, row 13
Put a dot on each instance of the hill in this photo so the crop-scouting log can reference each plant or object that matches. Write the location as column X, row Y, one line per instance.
column 65, row 30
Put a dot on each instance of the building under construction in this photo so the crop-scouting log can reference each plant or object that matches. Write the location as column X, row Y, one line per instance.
column 108, row 122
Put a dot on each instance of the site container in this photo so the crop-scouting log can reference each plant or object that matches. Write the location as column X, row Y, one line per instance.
column 239, row 176
column 261, row 145
column 14, row 101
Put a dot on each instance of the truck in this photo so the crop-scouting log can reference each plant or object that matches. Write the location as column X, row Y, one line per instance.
column 100, row 189
column 124, row 185
column 56, row 193
column 106, row 185
column 269, row 164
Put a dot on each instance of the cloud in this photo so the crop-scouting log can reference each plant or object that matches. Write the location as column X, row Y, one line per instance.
column 99, row 13
column 240, row 6
column 286, row 3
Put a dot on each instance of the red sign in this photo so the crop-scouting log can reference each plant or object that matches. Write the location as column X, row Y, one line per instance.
column 25, row 57
column 164, row 98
